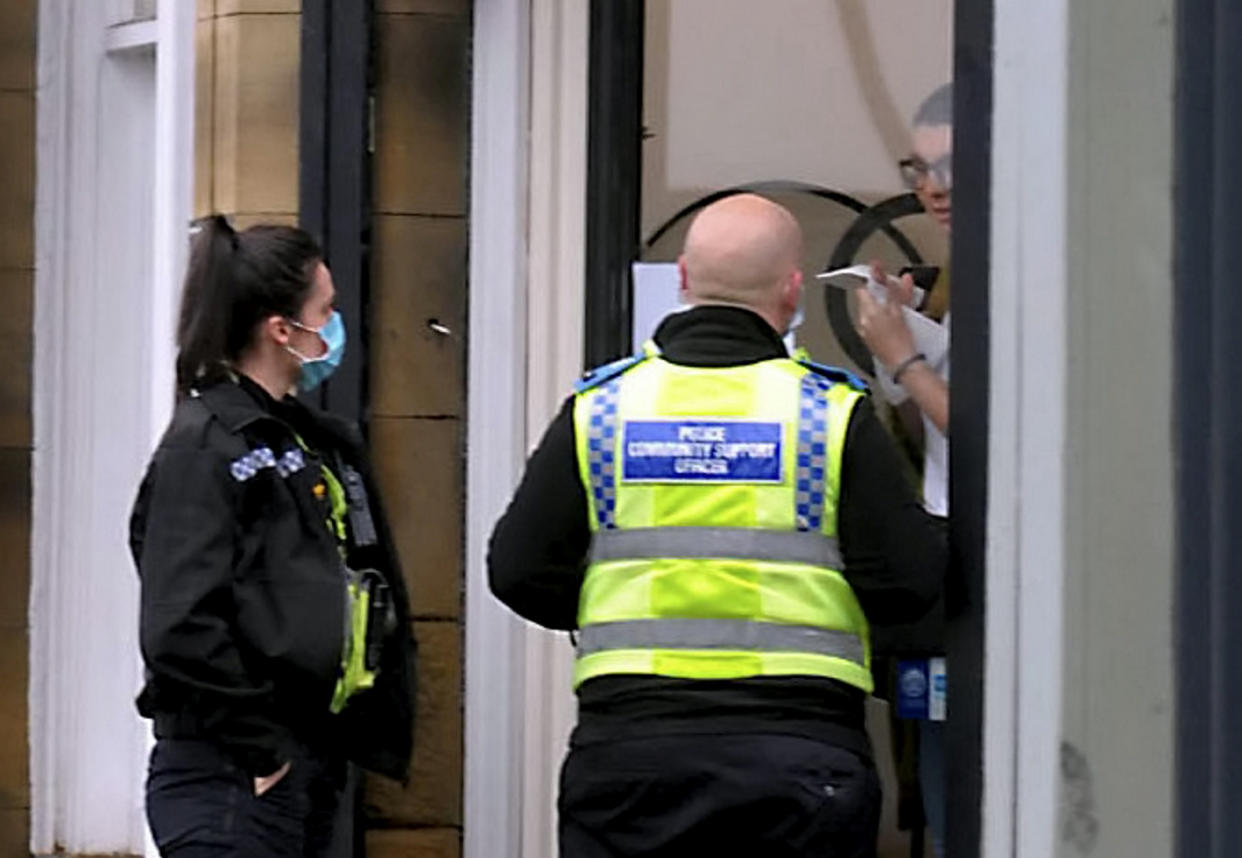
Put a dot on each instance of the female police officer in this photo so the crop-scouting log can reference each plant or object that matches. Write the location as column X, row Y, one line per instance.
column 274, row 620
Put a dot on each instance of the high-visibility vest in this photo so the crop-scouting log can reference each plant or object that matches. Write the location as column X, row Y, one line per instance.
column 713, row 496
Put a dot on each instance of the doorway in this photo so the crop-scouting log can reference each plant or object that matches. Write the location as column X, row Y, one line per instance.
column 814, row 105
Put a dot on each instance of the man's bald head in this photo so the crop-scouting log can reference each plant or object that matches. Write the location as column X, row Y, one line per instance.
column 747, row 251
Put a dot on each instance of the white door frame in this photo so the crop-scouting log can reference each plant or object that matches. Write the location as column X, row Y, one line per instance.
column 559, row 47
column 495, row 419
column 147, row 67
column 527, row 261
column 1025, row 554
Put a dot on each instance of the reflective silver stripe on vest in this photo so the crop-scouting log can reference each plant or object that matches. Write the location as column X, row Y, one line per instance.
column 735, row 543
column 706, row 634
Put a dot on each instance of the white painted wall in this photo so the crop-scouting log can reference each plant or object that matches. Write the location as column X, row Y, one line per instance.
column 823, row 92
column 782, row 88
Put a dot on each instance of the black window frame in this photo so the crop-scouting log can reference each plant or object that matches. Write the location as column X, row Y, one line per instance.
column 334, row 177
column 614, row 174
column 1207, row 416
column 335, row 147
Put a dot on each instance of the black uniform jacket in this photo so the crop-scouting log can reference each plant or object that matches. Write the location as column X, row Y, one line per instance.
column 243, row 591
column 895, row 556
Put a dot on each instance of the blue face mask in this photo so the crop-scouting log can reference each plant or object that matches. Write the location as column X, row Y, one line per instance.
column 315, row 371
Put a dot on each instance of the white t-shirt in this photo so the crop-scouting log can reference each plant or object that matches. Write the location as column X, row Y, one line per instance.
column 935, row 444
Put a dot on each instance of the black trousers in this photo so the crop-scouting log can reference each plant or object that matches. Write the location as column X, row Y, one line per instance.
column 201, row 805
column 762, row 795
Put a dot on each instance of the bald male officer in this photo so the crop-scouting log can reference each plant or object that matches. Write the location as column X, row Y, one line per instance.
column 720, row 524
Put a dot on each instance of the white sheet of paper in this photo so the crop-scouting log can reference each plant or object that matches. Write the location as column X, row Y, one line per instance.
column 850, row 277
column 657, row 294
column 656, row 287
column 859, row 275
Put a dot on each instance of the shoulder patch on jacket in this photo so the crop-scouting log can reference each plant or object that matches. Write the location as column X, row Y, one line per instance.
column 261, row 458
column 835, row 374
column 607, row 372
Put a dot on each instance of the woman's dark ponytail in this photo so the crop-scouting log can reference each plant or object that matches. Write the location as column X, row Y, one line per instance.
column 206, row 304
column 234, row 281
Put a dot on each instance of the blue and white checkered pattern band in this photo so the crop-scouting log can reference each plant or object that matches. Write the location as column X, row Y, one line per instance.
column 601, row 453
column 810, row 476
column 290, row 463
column 250, row 464
column 262, row 458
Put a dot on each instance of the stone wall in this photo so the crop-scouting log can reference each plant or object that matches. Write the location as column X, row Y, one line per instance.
column 418, row 386
column 17, row 179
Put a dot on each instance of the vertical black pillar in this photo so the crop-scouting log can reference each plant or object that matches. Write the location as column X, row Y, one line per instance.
column 313, row 117
column 614, row 174
column 970, row 355
column 1207, row 413
column 334, row 205
column 334, row 173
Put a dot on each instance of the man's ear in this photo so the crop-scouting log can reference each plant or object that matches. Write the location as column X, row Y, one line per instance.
column 794, row 287
column 683, row 288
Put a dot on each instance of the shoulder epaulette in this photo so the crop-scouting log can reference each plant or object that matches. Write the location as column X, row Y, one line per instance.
column 607, row 372
column 835, row 374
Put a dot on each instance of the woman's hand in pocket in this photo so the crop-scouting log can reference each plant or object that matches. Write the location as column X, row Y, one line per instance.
column 263, row 784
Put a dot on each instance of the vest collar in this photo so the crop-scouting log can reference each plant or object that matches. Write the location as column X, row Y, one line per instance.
column 717, row 336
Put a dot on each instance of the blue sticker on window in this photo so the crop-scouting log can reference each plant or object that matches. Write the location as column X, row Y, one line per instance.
column 701, row 451
column 913, row 687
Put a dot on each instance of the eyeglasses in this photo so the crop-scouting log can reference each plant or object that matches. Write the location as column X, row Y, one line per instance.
column 915, row 172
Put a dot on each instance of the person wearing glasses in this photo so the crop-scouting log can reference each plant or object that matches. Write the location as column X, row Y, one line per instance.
column 906, row 375
column 929, row 169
